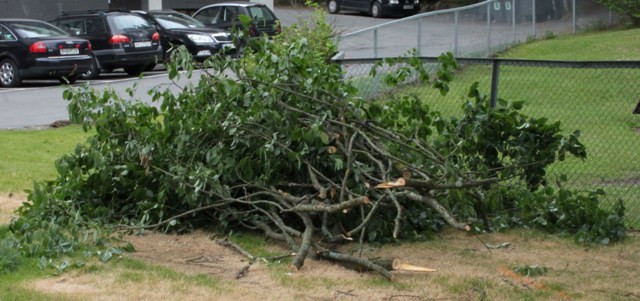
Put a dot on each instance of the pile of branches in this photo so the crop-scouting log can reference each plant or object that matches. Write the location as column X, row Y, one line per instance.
column 279, row 142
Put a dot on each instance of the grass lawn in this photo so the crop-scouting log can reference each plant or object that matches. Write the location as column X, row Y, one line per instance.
column 30, row 155
column 598, row 102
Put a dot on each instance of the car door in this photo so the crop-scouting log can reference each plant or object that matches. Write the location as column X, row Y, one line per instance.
column 359, row 5
column 96, row 32
column 263, row 19
column 10, row 46
column 210, row 16
column 229, row 18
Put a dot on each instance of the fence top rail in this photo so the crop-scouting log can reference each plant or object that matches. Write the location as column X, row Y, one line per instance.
column 514, row 62
column 418, row 16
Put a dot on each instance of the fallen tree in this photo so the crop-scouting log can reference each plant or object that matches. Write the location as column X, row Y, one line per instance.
column 278, row 142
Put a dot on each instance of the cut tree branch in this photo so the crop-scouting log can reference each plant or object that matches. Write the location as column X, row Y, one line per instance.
column 322, row 207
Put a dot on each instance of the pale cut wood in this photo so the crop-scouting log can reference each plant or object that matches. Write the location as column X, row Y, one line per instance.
column 398, row 265
column 400, row 182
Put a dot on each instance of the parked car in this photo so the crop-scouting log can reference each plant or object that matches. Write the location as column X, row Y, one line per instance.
column 376, row 8
column 224, row 15
column 32, row 49
column 120, row 39
column 177, row 29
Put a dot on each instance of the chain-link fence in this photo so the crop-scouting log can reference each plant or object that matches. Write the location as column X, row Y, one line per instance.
column 478, row 30
column 601, row 99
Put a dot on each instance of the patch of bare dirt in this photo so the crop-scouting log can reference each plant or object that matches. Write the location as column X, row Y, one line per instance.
column 8, row 205
column 468, row 268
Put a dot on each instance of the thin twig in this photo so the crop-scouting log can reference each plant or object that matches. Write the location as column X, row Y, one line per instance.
column 563, row 270
column 235, row 247
column 484, row 244
column 244, row 271
column 347, row 293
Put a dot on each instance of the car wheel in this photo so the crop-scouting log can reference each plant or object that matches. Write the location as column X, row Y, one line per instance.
column 134, row 70
column 9, row 74
column 68, row 80
column 376, row 10
column 93, row 72
column 333, row 6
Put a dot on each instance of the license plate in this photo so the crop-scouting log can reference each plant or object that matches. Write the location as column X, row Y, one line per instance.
column 408, row 7
column 142, row 44
column 69, row 51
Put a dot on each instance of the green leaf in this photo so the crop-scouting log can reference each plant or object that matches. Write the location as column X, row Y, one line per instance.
column 324, row 137
column 373, row 235
column 106, row 256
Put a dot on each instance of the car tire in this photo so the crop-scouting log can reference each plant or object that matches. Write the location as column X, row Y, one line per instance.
column 9, row 74
column 333, row 6
column 93, row 72
column 376, row 10
column 134, row 70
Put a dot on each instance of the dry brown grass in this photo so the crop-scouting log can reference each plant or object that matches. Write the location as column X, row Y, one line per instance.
column 194, row 267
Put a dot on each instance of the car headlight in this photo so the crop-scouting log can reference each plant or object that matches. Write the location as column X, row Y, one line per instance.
column 221, row 37
column 394, row 1
column 200, row 39
column 416, row 1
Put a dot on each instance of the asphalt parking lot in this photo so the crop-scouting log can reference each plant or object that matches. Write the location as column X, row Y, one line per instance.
column 38, row 103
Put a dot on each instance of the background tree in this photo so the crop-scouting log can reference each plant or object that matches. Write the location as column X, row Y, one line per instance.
column 629, row 8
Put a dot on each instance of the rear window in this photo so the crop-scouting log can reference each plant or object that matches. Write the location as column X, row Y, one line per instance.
column 129, row 22
column 30, row 29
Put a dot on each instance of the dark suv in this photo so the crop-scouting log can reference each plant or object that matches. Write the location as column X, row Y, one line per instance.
column 120, row 39
column 376, row 8
column 177, row 29
column 224, row 15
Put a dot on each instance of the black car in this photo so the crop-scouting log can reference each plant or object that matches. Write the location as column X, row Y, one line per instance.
column 177, row 29
column 376, row 8
column 224, row 15
column 32, row 49
column 120, row 39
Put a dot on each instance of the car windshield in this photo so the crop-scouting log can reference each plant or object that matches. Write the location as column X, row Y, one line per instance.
column 33, row 29
column 128, row 22
column 176, row 20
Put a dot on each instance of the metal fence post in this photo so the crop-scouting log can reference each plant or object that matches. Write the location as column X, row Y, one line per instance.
column 610, row 18
column 574, row 15
column 375, row 56
column 456, row 17
column 488, row 30
column 419, row 35
column 375, row 43
column 533, row 18
column 495, row 74
column 513, row 20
